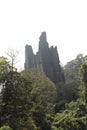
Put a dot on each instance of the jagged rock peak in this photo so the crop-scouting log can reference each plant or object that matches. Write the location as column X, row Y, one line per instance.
column 29, row 48
column 47, row 59
column 29, row 57
column 43, row 44
column 43, row 37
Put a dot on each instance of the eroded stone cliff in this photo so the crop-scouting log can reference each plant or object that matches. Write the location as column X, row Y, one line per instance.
column 46, row 59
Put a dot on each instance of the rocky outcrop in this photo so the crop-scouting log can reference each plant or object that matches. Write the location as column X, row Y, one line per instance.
column 29, row 57
column 46, row 59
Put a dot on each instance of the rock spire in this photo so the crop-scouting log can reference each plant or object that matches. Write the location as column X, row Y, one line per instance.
column 46, row 59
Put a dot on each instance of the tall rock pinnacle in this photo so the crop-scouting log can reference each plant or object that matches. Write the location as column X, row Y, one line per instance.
column 43, row 37
column 29, row 57
column 46, row 59
column 43, row 41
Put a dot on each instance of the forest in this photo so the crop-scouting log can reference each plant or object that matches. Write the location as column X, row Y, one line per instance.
column 31, row 101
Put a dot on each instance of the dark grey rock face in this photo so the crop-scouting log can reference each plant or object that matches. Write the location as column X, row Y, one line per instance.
column 29, row 57
column 46, row 59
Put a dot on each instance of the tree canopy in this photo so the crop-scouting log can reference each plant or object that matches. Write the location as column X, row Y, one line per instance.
column 30, row 101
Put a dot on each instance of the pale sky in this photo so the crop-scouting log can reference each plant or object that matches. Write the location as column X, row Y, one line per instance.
column 65, row 22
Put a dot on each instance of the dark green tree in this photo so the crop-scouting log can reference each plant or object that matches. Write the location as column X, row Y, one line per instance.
column 15, row 102
column 69, row 91
column 83, row 74
column 74, row 117
column 43, row 97
column 71, row 69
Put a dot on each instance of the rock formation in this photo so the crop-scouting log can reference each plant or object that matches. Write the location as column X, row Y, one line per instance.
column 46, row 59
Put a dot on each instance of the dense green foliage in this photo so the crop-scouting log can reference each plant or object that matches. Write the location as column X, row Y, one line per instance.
column 83, row 73
column 43, row 95
column 69, row 91
column 74, row 114
column 71, row 68
column 30, row 101
column 5, row 128
column 26, row 98
column 73, row 118
column 43, row 90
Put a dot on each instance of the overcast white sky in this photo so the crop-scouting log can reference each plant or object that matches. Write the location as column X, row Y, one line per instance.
column 65, row 22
